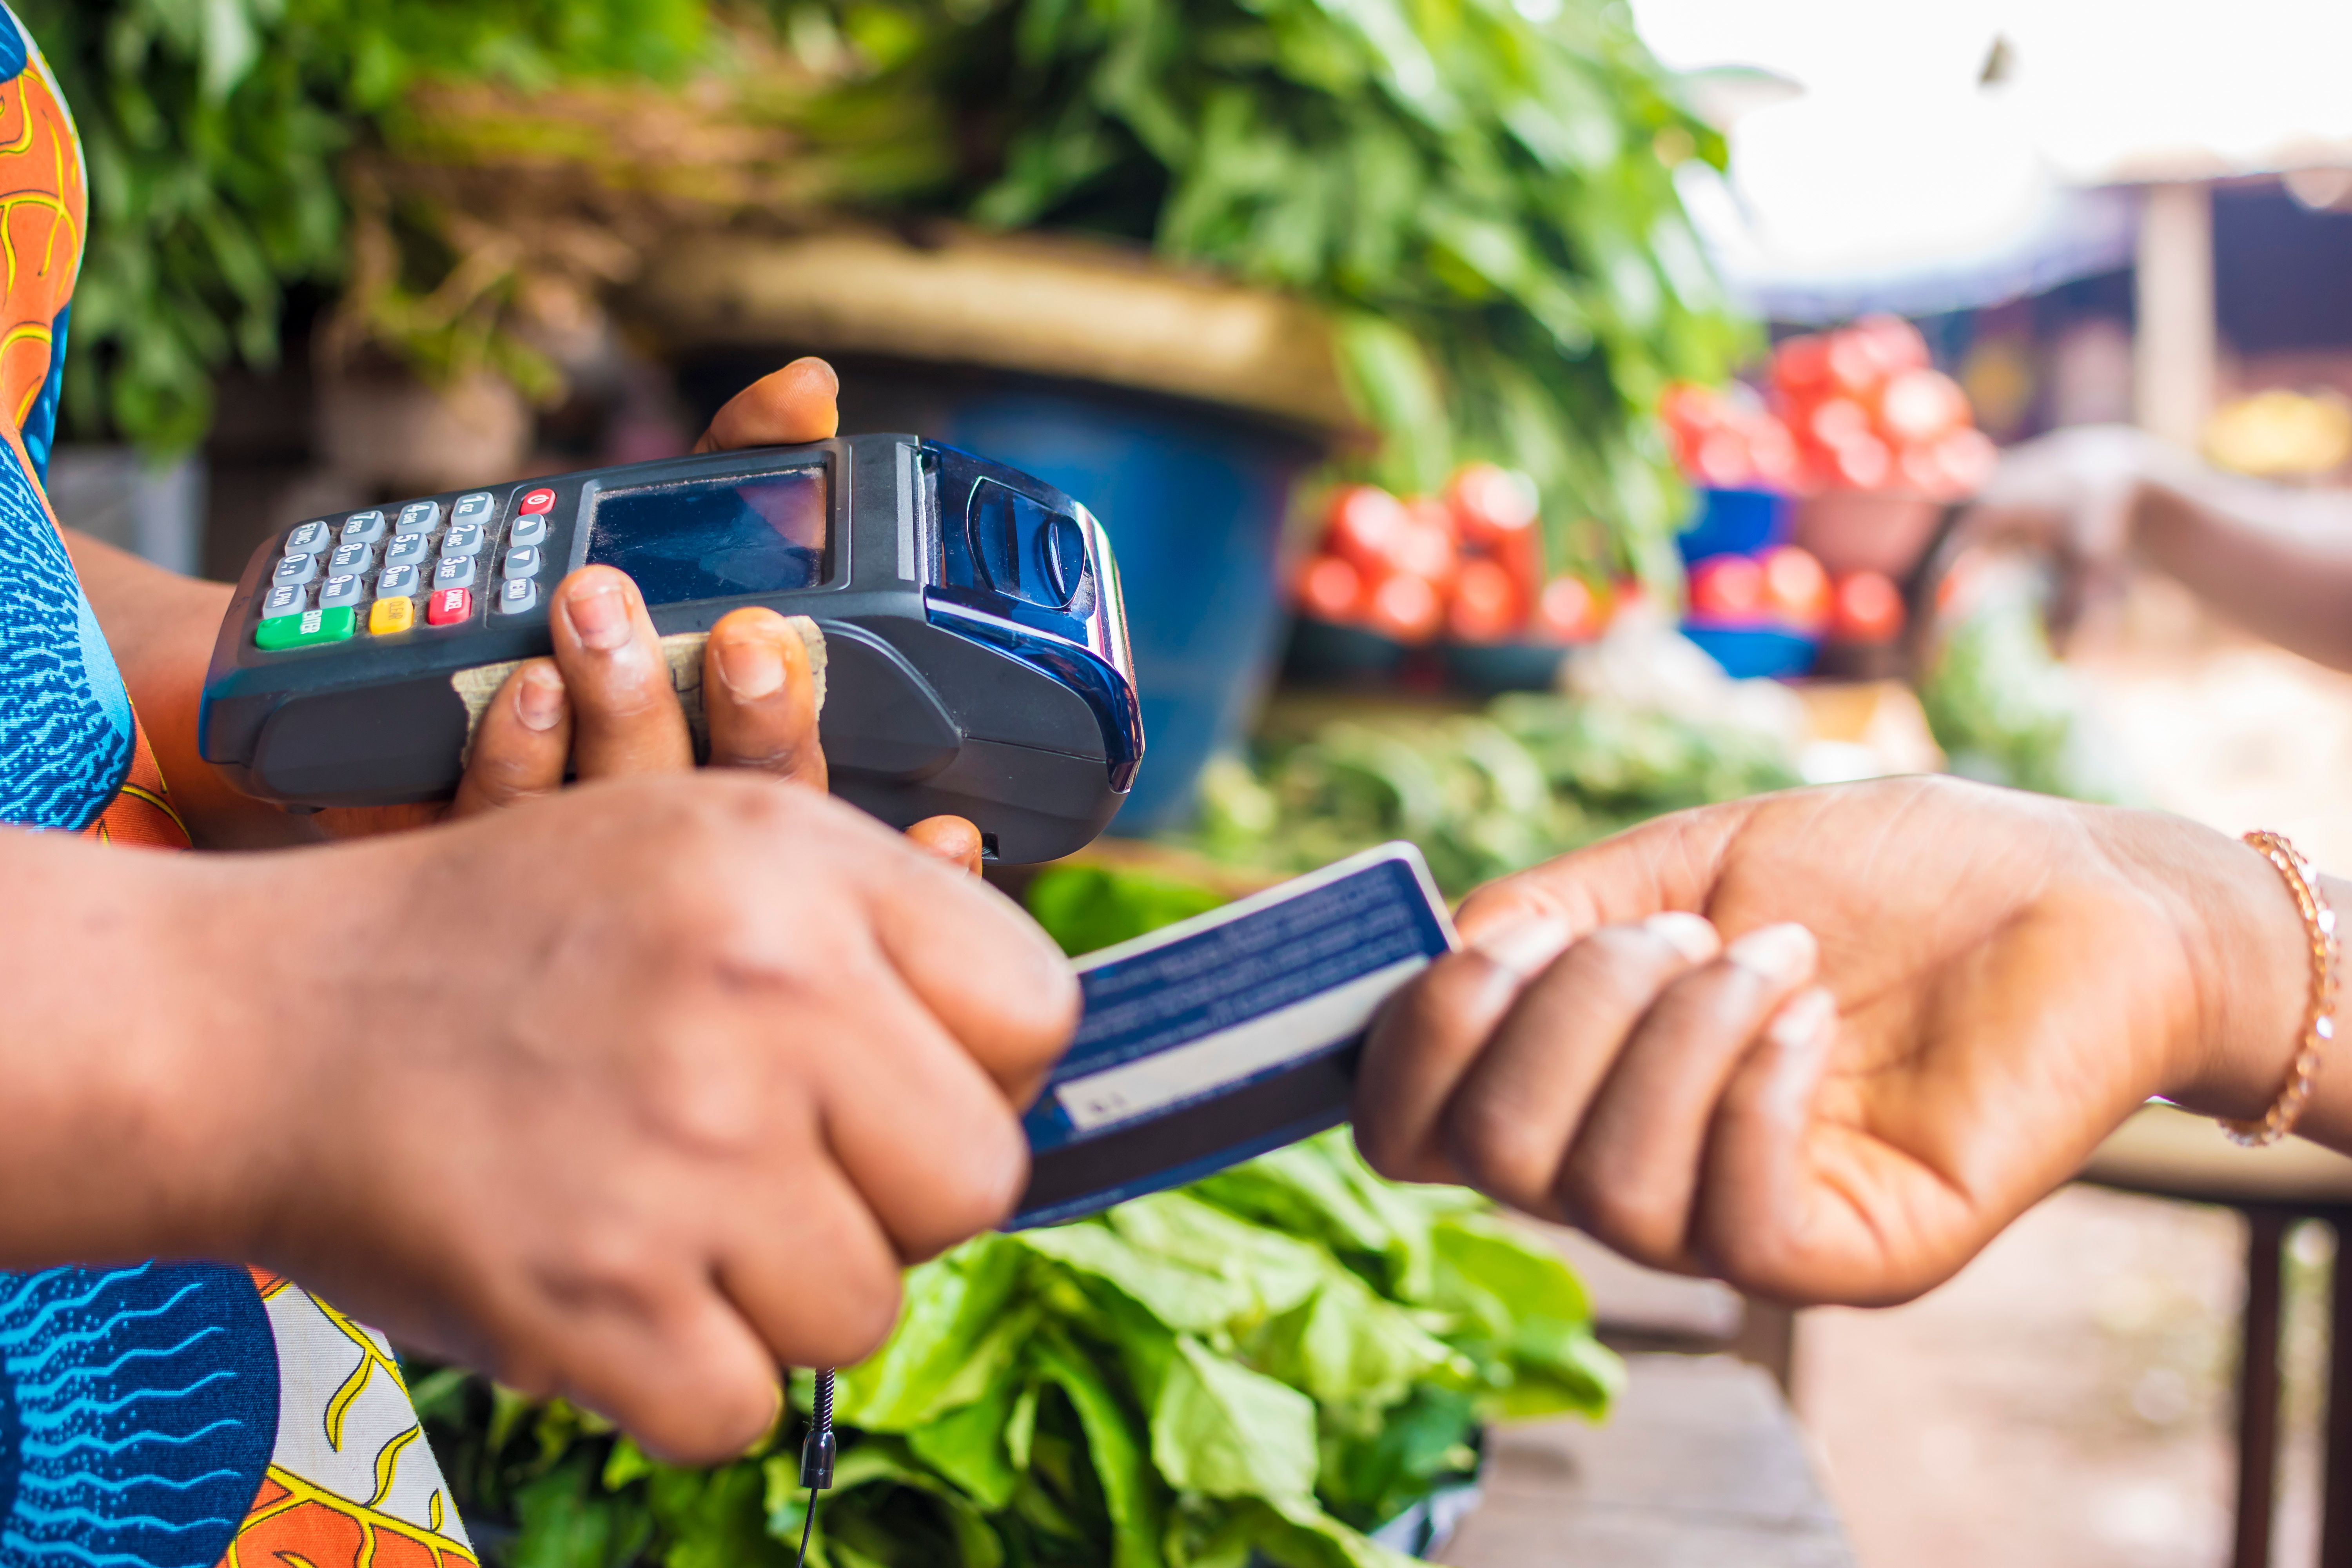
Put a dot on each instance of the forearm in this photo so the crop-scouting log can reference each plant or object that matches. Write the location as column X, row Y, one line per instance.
column 2274, row 559
column 161, row 626
column 109, row 1140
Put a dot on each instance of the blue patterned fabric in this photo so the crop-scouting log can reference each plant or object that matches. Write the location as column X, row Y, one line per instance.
column 41, row 421
column 66, row 740
column 138, row 1410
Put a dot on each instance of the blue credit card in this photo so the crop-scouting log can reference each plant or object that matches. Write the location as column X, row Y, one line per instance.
column 1229, row 1035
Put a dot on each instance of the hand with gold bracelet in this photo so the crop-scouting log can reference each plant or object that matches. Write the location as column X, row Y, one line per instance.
column 1826, row 1045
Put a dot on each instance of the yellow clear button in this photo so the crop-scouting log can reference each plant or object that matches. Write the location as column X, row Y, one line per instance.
column 391, row 615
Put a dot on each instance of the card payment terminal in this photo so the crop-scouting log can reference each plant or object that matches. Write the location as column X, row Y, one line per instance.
column 977, row 658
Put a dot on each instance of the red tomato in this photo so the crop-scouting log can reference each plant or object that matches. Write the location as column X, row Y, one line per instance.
column 1727, row 588
column 1968, row 457
column 1800, row 368
column 1426, row 546
column 1895, row 342
column 1685, row 408
column 1722, row 461
column 1836, row 421
column 1920, row 470
column 1772, row 454
column 1863, row 463
column 1796, row 589
column 1866, row 609
column 1919, row 405
column 1364, row 523
column 1855, row 370
column 1405, row 608
column 1330, row 589
column 1568, row 610
column 1491, row 504
column 1487, row 606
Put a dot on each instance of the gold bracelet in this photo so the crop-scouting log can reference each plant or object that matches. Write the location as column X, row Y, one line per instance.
column 2319, row 1023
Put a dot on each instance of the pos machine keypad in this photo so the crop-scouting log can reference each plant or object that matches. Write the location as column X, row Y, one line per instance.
column 368, row 571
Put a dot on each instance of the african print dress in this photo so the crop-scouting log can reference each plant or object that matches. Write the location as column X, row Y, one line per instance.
column 169, row 1416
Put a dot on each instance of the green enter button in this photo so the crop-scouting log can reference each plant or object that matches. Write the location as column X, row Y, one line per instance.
column 307, row 629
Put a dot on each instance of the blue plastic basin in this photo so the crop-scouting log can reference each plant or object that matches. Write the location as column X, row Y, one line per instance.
column 1734, row 523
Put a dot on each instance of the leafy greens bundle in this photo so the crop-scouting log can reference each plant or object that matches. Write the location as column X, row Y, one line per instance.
column 1266, row 1364
column 1271, row 1361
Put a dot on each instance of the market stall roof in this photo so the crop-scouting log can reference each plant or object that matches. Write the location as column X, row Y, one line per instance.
column 1937, row 155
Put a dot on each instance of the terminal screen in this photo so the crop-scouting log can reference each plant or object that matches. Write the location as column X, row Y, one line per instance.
column 716, row 539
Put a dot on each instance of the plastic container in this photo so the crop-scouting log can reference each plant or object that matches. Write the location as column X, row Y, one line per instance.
column 1867, row 530
column 1736, row 523
column 1193, row 497
column 1325, row 653
column 1749, row 651
column 1495, row 667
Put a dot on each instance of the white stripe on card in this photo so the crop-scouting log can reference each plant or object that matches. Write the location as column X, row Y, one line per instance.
column 1183, row 1072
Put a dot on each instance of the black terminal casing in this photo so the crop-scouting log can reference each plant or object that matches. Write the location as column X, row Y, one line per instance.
column 954, row 685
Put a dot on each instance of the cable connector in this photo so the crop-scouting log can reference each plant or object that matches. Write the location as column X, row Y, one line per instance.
column 818, row 1450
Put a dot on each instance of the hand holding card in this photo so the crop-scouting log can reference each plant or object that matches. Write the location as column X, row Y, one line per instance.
column 1229, row 1035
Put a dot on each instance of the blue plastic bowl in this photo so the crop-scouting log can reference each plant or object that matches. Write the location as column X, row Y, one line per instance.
column 1734, row 523
column 1193, row 497
column 1749, row 651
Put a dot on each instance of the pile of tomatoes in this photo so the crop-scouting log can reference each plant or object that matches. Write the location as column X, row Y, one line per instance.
column 1466, row 566
column 1857, row 409
column 1785, row 589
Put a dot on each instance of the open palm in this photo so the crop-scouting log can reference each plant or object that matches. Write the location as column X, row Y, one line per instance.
column 2010, row 976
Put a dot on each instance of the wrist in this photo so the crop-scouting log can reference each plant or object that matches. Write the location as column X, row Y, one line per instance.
column 2248, row 958
column 110, row 1146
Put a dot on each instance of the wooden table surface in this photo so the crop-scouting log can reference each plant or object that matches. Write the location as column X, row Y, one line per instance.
column 1701, row 1466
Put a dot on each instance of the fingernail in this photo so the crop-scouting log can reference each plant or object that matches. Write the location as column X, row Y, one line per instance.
column 1784, row 955
column 811, row 361
column 1803, row 1020
column 1693, row 936
column 600, row 616
column 751, row 667
column 1525, row 947
column 539, row 697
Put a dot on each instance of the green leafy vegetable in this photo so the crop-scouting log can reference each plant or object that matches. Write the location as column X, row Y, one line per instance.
column 1266, row 1364
column 1481, row 794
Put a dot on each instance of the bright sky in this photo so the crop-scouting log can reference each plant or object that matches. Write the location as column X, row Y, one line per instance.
column 1895, row 159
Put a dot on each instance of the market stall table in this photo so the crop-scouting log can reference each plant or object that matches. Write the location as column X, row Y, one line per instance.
column 1700, row 1463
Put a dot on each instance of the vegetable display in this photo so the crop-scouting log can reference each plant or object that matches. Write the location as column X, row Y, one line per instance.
column 215, row 134
column 1482, row 794
column 1468, row 566
column 1480, row 192
column 1263, row 1366
column 1856, row 410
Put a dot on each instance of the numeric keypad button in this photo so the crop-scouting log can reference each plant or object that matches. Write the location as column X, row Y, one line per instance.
column 363, row 528
column 408, row 550
column 356, row 559
column 466, row 539
column 420, row 517
column 341, row 592
column 475, row 508
column 455, row 572
column 296, row 570
column 396, row 582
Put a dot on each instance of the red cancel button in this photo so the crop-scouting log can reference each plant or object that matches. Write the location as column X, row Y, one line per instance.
column 448, row 607
column 539, row 504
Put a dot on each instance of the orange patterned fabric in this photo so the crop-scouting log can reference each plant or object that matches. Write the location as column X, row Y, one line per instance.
column 163, row 1415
